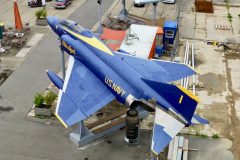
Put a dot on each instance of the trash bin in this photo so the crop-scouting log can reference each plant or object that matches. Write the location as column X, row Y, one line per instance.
column 1, row 30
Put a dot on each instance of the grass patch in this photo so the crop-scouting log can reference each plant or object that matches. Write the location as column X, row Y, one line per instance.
column 201, row 135
column 215, row 136
column 42, row 117
column 229, row 17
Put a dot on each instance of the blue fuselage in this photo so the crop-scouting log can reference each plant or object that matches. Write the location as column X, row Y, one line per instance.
column 122, row 80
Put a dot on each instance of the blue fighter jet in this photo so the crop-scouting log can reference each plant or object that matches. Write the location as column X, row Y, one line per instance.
column 96, row 75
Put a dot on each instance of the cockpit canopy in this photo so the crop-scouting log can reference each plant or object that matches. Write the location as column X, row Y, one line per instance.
column 74, row 26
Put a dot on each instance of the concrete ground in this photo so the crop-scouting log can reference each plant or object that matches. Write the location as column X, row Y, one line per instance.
column 209, row 148
column 218, row 71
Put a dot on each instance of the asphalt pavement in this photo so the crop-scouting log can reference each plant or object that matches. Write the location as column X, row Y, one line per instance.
column 21, row 138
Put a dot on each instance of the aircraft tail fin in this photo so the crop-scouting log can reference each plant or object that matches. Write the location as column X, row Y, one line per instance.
column 165, row 129
column 180, row 99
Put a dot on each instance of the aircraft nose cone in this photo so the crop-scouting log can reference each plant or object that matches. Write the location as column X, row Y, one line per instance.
column 52, row 21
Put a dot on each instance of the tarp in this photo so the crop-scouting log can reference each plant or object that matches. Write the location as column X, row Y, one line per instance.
column 109, row 34
column 113, row 38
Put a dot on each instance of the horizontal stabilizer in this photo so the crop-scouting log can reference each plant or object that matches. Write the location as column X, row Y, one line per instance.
column 196, row 119
column 165, row 129
column 180, row 99
column 157, row 70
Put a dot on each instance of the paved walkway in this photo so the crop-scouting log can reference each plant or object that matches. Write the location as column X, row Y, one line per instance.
column 22, row 139
column 28, row 13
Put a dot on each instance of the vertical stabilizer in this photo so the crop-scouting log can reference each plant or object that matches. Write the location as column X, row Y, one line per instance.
column 182, row 100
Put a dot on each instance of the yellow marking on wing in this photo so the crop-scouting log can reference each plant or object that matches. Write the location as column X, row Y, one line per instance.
column 190, row 94
column 154, row 152
column 180, row 99
column 60, row 119
column 92, row 41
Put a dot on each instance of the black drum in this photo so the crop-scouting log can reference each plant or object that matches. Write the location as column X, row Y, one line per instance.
column 132, row 126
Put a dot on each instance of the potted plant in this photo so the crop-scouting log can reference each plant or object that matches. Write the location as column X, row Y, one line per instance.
column 43, row 103
column 49, row 98
column 38, row 100
column 41, row 17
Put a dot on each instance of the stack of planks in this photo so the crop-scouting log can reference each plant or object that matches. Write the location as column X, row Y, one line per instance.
column 178, row 149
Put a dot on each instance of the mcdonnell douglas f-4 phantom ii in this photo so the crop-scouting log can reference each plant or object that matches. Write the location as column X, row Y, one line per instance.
column 96, row 75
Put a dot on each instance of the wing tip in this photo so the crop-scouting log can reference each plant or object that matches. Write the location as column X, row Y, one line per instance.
column 154, row 152
column 60, row 119
column 196, row 72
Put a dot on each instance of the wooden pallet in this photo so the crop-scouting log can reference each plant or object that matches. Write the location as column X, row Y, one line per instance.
column 178, row 149
column 107, row 122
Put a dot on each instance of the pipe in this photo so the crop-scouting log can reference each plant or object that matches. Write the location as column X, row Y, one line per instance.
column 184, row 61
column 187, row 79
column 193, row 66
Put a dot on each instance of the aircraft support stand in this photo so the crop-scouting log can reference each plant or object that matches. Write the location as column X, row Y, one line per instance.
column 100, row 30
column 63, row 64
column 154, row 13
column 82, row 135
column 124, row 13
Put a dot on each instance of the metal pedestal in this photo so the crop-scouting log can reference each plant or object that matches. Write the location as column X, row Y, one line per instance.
column 82, row 135
column 124, row 13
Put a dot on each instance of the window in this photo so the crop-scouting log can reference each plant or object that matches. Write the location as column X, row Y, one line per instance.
column 169, row 34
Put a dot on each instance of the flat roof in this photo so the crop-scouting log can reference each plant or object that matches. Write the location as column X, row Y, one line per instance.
column 139, row 40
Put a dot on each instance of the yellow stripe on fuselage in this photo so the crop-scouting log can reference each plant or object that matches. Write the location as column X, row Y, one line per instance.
column 60, row 119
column 91, row 41
column 190, row 94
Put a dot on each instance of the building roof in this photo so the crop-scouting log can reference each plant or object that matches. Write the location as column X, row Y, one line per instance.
column 140, row 39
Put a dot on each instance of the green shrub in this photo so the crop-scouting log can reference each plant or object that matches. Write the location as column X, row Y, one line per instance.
column 44, row 13
column 38, row 100
column 38, row 14
column 49, row 97
column 41, row 14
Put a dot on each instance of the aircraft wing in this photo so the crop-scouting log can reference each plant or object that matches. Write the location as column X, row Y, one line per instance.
column 158, row 70
column 82, row 94
column 165, row 129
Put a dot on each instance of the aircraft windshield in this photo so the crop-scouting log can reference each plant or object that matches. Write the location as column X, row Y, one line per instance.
column 72, row 25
